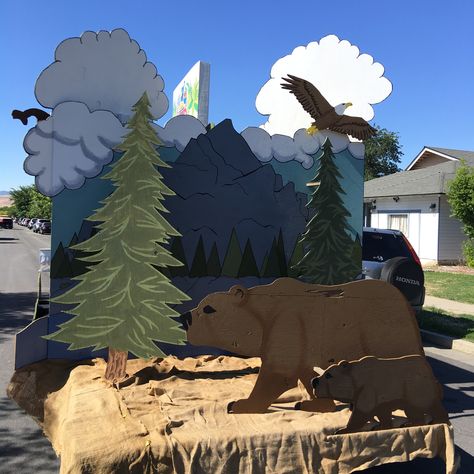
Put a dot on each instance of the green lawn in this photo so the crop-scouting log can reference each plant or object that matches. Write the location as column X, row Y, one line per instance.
column 436, row 320
column 452, row 286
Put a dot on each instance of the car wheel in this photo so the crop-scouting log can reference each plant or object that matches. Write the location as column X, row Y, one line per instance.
column 407, row 276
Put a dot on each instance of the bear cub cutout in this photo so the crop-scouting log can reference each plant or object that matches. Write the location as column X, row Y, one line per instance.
column 376, row 387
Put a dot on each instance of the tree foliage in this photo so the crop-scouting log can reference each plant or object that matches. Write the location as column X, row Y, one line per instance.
column 383, row 153
column 28, row 202
column 461, row 200
column 124, row 302
column 8, row 211
column 461, row 197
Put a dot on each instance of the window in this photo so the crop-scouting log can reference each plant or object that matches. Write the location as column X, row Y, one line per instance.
column 380, row 247
column 398, row 222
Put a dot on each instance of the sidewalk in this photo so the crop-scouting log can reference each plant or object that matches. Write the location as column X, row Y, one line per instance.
column 449, row 305
column 460, row 357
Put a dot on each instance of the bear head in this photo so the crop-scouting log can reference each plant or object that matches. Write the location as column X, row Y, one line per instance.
column 224, row 320
column 335, row 382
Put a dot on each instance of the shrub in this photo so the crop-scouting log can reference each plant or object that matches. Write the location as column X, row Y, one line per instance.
column 461, row 197
column 468, row 252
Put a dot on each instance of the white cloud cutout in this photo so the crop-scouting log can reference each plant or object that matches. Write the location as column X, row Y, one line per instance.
column 299, row 148
column 179, row 130
column 71, row 145
column 98, row 77
column 105, row 71
column 337, row 69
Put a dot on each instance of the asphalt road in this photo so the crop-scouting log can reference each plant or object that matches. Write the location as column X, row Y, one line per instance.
column 24, row 449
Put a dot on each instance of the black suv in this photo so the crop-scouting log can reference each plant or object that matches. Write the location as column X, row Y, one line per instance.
column 388, row 255
column 6, row 222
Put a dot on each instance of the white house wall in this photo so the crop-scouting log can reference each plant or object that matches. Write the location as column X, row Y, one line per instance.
column 422, row 222
column 451, row 235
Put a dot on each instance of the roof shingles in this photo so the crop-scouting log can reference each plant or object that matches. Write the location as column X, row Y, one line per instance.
column 459, row 154
column 431, row 180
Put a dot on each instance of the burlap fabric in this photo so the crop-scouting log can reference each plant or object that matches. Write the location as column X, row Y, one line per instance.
column 171, row 416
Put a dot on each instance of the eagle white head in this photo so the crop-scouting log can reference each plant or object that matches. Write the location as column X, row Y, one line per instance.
column 341, row 108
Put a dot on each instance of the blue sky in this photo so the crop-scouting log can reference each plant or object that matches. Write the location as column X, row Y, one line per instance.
column 425, row 46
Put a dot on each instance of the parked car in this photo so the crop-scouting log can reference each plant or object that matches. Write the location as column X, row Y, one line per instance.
column 25, row 221
column 388, row 255
column 45, row 227
column 38, row 223
column 6, row 222
column 32, row 222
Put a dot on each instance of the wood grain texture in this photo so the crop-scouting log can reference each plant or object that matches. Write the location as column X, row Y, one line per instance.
column 116, row 365
column 378, row 387
column 295, row 326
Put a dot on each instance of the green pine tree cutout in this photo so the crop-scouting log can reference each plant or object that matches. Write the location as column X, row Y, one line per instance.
column 233, row 257
column 328, row 247
column 271, row 264
column 123, row 302
column 213, row 263
column 281, row 255
column 60, row 265
column 296, row 256
column 248, row 266
column 74, row 240
column 177, row 250
column 264, row 265
column 78, row 266
column 198, row 267
column 356, row 254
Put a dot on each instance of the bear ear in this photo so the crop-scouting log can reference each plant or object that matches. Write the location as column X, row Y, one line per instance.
column 240, row 293
column 344, row 364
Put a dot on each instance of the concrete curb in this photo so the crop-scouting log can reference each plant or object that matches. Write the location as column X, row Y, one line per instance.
column 447, row 342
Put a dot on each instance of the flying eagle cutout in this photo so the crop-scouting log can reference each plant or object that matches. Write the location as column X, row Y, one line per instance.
column 325, row 116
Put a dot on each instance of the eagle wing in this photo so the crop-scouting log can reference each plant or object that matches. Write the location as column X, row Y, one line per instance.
column 308, row 96
column 355, row 126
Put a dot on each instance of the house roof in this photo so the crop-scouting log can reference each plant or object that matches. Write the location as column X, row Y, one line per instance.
column 447, row 153
column 430, row 180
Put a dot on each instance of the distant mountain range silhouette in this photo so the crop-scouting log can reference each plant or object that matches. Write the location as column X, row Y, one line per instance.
column 221, row 186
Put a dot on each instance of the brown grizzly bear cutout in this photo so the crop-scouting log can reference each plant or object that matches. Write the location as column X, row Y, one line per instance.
column 377, row 387
column 294, row 326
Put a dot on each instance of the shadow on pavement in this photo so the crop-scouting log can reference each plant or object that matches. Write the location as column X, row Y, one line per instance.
column 23, row 448
column 16, row 312
column 455, row 401
column 424, row 466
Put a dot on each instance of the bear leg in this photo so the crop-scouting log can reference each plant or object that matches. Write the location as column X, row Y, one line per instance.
column 321, row 405
column 356, row 422
column 416, row 417
column 438, row 413
column 385, row 419
column 268, row 387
